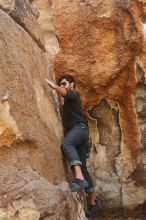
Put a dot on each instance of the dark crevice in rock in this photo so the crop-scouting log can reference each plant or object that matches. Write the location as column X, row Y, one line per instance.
column 46, row 215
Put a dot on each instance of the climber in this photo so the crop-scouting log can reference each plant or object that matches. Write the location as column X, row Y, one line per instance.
column 75, row 143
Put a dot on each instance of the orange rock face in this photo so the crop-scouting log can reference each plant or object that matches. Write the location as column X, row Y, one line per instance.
column 99, row 42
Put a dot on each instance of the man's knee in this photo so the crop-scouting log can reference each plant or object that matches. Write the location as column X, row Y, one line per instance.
column 65, row 146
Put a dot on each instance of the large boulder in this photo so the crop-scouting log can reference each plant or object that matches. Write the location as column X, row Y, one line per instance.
column 32, row 176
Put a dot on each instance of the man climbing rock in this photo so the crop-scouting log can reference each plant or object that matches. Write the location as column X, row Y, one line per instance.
column 75, row 143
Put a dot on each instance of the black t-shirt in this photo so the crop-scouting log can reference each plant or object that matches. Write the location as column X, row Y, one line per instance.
column 72, row 109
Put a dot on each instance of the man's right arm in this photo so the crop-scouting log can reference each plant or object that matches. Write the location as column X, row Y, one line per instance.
column 59, row 89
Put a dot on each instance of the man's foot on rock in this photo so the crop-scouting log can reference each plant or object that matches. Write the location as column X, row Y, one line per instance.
column 93, row 210
column 78, row 184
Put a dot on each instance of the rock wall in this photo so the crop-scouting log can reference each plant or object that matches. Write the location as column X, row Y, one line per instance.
column 102, row 44
column 32, row 175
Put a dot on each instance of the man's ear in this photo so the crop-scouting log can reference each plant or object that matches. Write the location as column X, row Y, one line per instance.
column 72, row 85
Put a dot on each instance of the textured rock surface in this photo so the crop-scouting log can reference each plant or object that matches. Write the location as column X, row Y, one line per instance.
column 45, row 21
column 103, row 43
column 24, row 15
column 32, row 176
column 99, row 44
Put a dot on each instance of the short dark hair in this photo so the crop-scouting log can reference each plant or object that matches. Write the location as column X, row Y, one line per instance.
column 68, row 78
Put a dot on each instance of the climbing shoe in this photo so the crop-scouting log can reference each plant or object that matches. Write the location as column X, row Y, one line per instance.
column 78, row 184
column 93, row 210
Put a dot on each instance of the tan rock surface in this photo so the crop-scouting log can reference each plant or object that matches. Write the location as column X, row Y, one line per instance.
column 45, row 21
column 30, row 133
column 23, row 14
column 7, row 5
